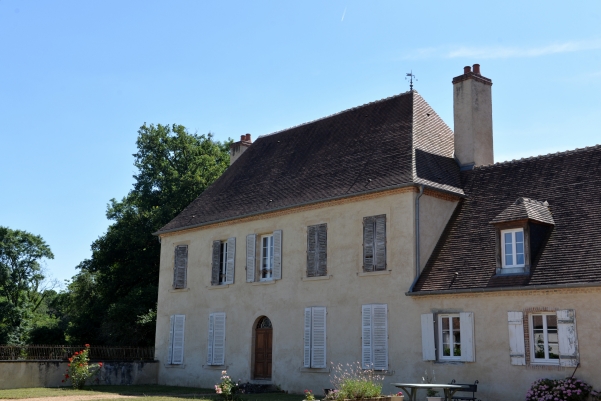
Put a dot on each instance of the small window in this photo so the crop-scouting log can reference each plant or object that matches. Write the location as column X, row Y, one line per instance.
column 374, row 243
column 223, row 263
column 545, row 340
column 266, row 258
column 449, row 335
column 512, row 248
column 317, row 242
column 180, row 267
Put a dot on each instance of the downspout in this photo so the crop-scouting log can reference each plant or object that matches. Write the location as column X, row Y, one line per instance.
column 417, row 261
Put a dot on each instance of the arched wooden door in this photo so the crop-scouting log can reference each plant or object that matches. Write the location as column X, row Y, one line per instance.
column 263, row 353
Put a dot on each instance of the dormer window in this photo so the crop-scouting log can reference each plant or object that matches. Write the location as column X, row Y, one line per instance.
column 513, row 248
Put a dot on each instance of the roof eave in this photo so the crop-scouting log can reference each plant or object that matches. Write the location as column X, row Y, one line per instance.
column 502, row 289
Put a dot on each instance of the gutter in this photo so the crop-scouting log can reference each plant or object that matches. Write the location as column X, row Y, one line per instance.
column 502, row 289
column 417, row 259
column 410, row 184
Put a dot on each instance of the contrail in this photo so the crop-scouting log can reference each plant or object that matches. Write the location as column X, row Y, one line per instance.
column 343, row 14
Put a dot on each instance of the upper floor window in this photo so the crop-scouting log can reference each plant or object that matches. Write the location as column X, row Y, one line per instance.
column 512, row 246
column 180, row 267
column 270, row 257
column 374, row 243
column 317, row 242
column 266, row 257
column 223, row 263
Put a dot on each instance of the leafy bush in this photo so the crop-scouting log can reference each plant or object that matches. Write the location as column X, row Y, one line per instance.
column 569, row 389
column 228, row 389
column 353, row 382
column 80, row 369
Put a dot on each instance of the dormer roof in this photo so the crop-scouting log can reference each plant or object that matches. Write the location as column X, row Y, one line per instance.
column 525, row 209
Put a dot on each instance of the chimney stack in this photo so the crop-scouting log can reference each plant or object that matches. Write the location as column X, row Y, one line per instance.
column 237, row 148
column 472, row 109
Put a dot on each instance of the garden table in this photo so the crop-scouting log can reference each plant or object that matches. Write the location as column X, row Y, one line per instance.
column 448, row 389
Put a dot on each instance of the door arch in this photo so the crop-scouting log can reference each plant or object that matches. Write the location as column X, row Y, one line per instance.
column 263, row 335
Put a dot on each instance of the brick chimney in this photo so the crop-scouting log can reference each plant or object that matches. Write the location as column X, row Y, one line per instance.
column 472, row 109
column 237, row 148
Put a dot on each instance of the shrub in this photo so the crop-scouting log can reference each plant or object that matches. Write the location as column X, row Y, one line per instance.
column 79, row 368
column 353, row 382
column 227, row 390
column 569, row 389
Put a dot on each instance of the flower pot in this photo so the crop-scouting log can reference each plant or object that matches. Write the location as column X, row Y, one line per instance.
column 397, row 398
column 434, row 398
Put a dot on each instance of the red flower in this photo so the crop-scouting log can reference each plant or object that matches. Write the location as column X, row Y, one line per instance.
column 87, row 345
column 69, row 364
column 100, row 364
column 66, row 376
column 70, row 359
column 76, row 353
column 62, row 381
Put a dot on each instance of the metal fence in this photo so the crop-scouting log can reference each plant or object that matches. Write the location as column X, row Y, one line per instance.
column 64, row 352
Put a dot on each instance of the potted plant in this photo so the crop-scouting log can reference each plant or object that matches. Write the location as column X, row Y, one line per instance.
column 309, row 395
column 397, row 397
column 432, row 395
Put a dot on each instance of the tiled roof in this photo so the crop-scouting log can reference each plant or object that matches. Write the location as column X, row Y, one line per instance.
column 567, row 253
column 381, row 145
column 526, row 209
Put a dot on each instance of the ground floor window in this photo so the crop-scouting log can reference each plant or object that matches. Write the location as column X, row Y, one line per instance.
column 545, row 341
column 449, row 336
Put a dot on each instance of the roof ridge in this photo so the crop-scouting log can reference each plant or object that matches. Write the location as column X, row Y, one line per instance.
column 338, row 113
column 548, row 155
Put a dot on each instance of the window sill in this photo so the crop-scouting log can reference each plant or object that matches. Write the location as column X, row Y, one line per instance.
column 215, row 367
column 378, row 273
column 314, row 370
column 218, row 287
column 263, row 282
column 315, row 278
column 169, row 366
column 512, row 271
column 179, row 289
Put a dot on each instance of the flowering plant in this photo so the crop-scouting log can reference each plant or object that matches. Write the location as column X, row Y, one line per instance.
column 79, row 368
column 309, row 395
column 354, row 382
column 569, row 389
column 228, row 389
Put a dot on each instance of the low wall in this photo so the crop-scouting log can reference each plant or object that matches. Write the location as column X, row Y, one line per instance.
column 23, row 374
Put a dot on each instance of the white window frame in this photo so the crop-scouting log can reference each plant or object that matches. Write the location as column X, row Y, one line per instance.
column 450, row 317
column 512, row 231
column 269, row 258
column 546, row 360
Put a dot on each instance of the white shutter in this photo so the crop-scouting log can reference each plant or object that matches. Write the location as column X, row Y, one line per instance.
column 366, row 343
column 170, row 352
column 219, row 339
column 428, row 344
column 179, row 324
column 251, row 243
column 277, row 255
column 318, row 337
column 210, row 340
column 380, row 336
column 468, row 348
column 231, row 260
column 568, row 340
column 307, row 339
column 517, row 350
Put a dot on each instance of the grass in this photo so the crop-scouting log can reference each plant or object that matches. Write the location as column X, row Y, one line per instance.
column 145, row 392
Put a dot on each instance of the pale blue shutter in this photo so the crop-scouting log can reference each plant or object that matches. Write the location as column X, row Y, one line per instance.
column 277, row 255
column 210, row 339
column 219, row 339
column 231, row 260
column 366, row 341
column 380, row 336
column 179, row 324
column 307, row 339
column 318, row 337
column 251, row 243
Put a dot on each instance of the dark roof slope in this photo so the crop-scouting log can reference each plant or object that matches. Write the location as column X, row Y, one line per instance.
column 571, row 184
column 526, row 209
column 381, row 145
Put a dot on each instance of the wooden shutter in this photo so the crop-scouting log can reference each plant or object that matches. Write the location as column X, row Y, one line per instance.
column 380, row 243
column 180, row 266
column 428, row 343
column 251, row 243
column 322, row 250
column 210, row 339
column 366, row 342
column 170, row 352
column 179, row 324
column 307, row 339
column 380, row 336
column 468, row 348
column 216, row 263
column 318, row 337
column 568, row 340
column 219, row 339
column 517, row 350
column 231, row 260
column 368, row 244
column 277, row 255
column 312, row 254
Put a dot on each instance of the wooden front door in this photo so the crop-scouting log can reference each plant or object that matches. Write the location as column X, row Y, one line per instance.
column 263, row 353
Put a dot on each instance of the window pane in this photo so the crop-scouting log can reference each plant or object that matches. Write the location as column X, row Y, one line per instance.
column 537, row 322
column 539, row 345
column 553, row 351
column 445, row 324
column 519, row 237
column 552, row 322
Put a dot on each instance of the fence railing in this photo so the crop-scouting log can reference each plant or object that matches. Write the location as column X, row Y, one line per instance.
column 64, row 352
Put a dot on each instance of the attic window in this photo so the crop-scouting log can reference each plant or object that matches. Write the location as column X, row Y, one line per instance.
column 512, row 245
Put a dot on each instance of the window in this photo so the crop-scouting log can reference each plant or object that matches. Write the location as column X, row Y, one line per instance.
column 224, row 257
column 374, row 336
column 180, row 267
column 315, row 338
column 177, row 325
column 543, row 338
column 374, row 243
column 317, row 240
column 270, row 257
column 216, row 349
column 448, row 337
column 512, row 248
column 449, row 334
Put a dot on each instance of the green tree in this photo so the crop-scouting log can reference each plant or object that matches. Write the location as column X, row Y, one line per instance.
column 20, row 280
column 113, row 298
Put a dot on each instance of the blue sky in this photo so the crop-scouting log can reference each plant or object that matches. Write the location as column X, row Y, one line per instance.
column 77, row 79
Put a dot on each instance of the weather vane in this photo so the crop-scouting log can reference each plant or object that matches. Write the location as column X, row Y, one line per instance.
column 410, row 77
